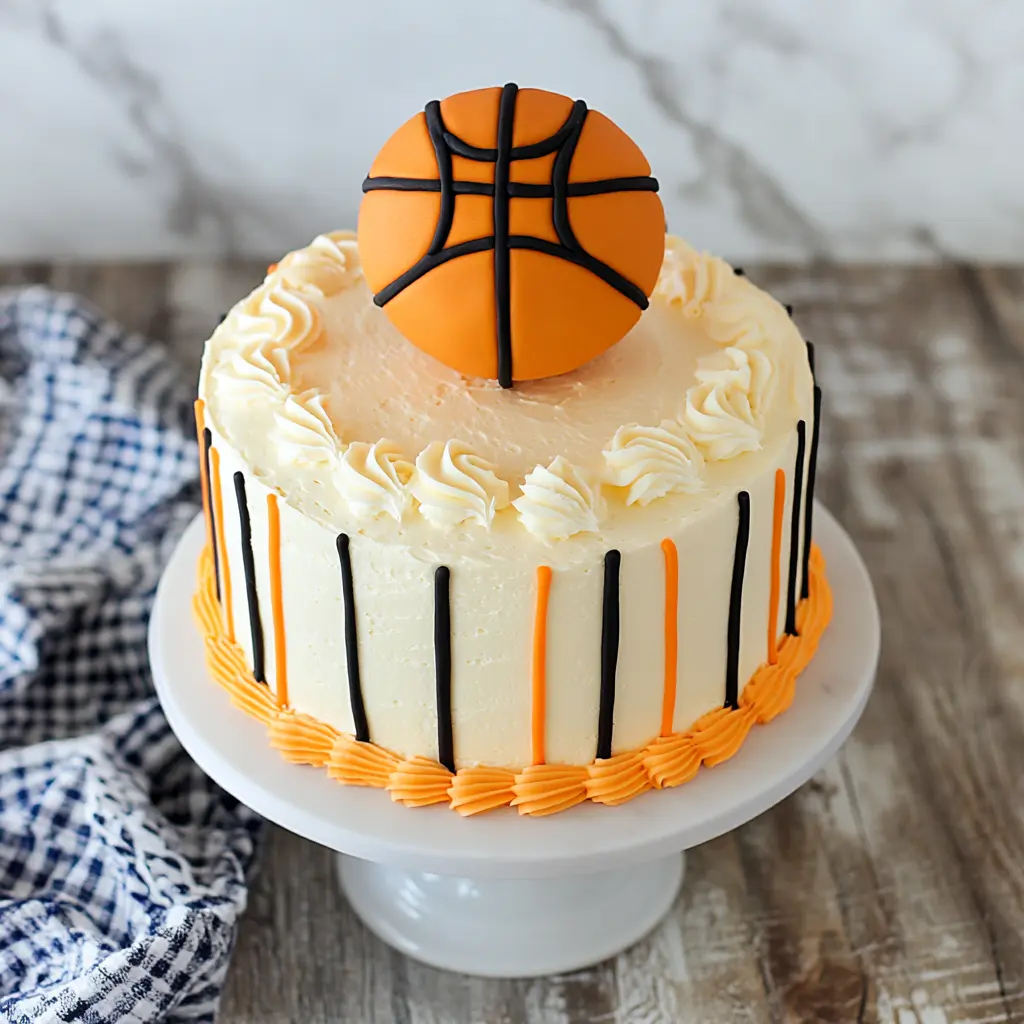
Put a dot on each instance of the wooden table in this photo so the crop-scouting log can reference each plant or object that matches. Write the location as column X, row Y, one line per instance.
column 891, row 887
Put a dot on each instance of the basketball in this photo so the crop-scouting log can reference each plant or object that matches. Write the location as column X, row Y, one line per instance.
column 512, row 234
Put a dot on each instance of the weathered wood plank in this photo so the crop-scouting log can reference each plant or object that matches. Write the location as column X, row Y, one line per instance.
column 891, row 888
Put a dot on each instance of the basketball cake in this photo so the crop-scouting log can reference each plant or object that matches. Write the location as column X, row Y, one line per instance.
column 509, row 495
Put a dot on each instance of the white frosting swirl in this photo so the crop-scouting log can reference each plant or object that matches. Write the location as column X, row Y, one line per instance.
column 558, row 501
column 690, row 279
column 653, row 461
column 719, row 415
column 329, row 264
column 453, row 485
column 278, row 316
column 305, row 435
column 245, row 377
column 372, row 478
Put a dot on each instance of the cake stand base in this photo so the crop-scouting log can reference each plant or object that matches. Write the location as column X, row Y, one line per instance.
column 511, row 927
column 501, row 895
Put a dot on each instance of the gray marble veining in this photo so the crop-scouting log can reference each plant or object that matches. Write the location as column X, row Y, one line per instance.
column 780, row 129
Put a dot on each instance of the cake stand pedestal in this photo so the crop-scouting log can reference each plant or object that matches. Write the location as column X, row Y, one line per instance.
column 501, row 895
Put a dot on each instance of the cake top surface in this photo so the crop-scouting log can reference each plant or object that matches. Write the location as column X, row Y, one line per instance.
column 315, row 388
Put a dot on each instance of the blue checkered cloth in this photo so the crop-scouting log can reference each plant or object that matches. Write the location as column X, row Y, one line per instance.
column 122, row 867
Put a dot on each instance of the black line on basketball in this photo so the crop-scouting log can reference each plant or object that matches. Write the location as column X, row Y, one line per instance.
column 502, row 255
column 435, row 127
column 427, row 263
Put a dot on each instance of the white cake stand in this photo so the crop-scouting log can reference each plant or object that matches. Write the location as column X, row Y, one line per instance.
column 501, row 895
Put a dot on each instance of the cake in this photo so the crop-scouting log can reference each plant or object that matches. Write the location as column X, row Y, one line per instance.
column 474, row 559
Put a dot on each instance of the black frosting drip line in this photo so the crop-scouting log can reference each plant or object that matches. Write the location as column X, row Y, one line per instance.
column 739, row 565
column 443, row 666
column 609, row 653
column 789, row 310
column 810, row 358
column 435, row 127
column 502, row 256
column 794, row 529
column 207, row 445
column 583, row 259
column 249, row 567
column 355, row 689
column 805, row 587
column 428, row 262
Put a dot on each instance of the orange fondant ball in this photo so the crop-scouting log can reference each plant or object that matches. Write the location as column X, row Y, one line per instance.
column 511, row 233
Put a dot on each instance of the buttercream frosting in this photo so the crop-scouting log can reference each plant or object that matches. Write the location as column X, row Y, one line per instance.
column 452, row 486
column 693, row 387
column 650, row 462
column 558, row 501
column 373, row 478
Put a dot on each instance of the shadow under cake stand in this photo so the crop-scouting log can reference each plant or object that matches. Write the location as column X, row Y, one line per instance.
column 501, row 895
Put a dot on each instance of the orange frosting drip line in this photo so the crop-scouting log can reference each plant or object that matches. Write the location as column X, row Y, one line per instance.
column 773, row 599
column 540, row 658
column 538, row 789
column 200, row 408
column 276, row 599
column 225, row 568
column 668, row 700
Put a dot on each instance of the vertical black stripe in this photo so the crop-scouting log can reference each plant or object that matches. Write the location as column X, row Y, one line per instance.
column 794, row 528
column 810, row 357
column 446, row 213
column 609, row 652
column 739, row 565
column 502, row 256
column 805, row 588
column 443, row 666
column 355, row 687
column 207, row 444
column 249, row 567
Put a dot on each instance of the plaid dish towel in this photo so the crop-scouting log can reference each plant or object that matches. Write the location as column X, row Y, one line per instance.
column 122, row 867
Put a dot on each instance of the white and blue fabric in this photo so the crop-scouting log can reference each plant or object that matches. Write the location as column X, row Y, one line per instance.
column 122, row 867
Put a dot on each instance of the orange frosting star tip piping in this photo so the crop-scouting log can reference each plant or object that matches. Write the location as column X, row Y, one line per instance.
column 536, row 790
column 558, row 232
column 419, row 782
column 481, row 789
column 359, row 763
column 301, row 738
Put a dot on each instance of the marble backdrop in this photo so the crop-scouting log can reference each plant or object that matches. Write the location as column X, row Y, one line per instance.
column 780, row 129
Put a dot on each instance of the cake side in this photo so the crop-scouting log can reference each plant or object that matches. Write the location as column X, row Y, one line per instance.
column 625, row 649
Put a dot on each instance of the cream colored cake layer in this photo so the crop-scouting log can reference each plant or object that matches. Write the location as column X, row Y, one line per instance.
column 311, row 395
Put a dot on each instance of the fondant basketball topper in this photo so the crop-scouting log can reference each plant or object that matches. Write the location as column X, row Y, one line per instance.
column 511, row 233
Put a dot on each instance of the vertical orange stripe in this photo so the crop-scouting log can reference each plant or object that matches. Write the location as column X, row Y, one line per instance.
column 540, row 663
column 773, row 599
column 200, row 408
column 668, row 700
column 276, row 600
column 218, row 517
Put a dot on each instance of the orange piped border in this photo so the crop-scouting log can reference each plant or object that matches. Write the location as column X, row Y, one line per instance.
column 277, row 600
column 538, row 789
column 773, row 598
column 668, row 700
column 218, row 522
column 538, row 702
